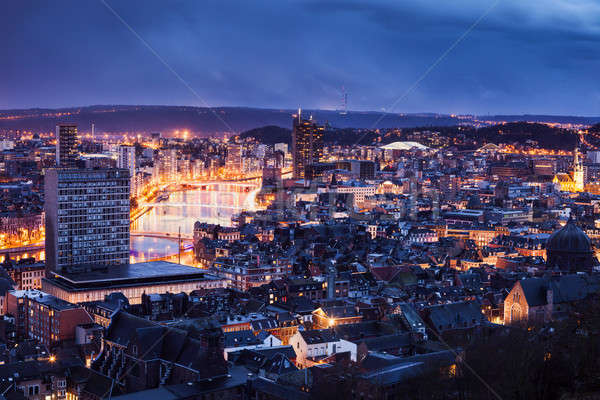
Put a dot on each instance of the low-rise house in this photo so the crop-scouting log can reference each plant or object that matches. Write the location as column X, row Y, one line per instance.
column 460, row 316
column 410, row 318
column 37, row 380
column 238, row 340
column 401, row 344
column 139, row 354
column 327, row 317
column 267, row 339
column 315, row 345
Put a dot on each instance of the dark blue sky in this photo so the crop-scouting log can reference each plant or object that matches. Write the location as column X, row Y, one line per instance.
column 533, row 56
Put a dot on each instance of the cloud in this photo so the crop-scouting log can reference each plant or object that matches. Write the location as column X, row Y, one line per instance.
column 537, row 56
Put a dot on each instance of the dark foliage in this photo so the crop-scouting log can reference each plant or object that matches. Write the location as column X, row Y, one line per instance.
column 464, row 136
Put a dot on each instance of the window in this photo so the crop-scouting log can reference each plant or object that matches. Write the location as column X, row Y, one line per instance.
column 34, row 390
column 515, row 313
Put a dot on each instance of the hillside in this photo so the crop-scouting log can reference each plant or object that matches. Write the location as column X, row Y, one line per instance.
column 269, row 134
column 198, row 120
column 203, row 121
column 519, row 132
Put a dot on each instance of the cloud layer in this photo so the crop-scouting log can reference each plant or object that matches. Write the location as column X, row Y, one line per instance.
column 537, row 56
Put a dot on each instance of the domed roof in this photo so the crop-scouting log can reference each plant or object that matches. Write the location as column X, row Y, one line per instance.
column 570, row 238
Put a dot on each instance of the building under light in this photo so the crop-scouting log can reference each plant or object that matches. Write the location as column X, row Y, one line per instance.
column 131, row 280
column 66, row 142
column 126, row 160
column 307, row 144
column 87, row 218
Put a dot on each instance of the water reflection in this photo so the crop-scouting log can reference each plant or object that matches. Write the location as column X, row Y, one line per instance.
column 145, row 248
column 182, row 210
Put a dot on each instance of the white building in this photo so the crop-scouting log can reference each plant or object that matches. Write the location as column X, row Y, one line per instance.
column 283, row 147
column 314, row 345
column 246, row 340
column 359, row 190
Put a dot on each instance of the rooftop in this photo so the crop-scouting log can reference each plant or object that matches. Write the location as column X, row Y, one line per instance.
column 130, row 275
column 404, row 146
column 44, row 298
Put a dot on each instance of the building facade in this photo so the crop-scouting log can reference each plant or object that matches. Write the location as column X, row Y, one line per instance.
column 87, row 217
column 66, row 142
column 126, row 160
column 44, row 317
column 307, row 144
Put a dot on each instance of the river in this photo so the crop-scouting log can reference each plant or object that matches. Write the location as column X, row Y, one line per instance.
column 181, row 211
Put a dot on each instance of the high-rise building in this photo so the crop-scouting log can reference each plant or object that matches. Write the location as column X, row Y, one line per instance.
column 66, row 142
column 165, row 166
column 233, row 162
column 307, row 144
column 171, row 164
column 126, row 160
column 87, row 218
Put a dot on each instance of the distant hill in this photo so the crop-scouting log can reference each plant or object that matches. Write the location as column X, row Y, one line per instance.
column 269, row 134
column 547, row 136
column 199, row 120
column 557, row 119
column 513, row 132
column 345, row 136
column 595, row 128
column 205, row 122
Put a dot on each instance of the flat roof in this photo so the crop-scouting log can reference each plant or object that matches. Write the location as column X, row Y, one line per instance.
column 141, row 270
column 44, row 298
column 138, row 274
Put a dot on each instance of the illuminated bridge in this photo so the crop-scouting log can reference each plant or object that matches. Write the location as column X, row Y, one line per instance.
column 224, row 186
column 165, row 235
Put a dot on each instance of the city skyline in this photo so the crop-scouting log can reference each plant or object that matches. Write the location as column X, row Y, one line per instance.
column 473, row 57
column 442, row 245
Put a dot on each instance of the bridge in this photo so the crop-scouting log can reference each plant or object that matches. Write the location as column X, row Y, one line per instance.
column 203, row 205
column 214, row 188
column 223, row 186
column 185, row 237
column 23, row 249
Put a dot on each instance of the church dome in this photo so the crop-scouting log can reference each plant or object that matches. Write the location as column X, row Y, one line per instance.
column 569, row 239
column 569, row 249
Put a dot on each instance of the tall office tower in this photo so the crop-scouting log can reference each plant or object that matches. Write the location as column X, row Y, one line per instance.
column 307, row 144
column 233, row 162
column 66, row 142
column 126, row 160
column 87, row 218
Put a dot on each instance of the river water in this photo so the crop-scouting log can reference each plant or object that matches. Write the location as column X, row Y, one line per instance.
column 181, row 211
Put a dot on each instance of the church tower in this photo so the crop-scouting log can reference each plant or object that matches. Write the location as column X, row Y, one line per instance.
column 578, row 175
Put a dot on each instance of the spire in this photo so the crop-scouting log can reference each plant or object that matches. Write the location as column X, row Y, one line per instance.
column 578, row 170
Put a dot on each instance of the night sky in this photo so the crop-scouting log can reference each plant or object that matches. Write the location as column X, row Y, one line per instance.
column 533, row 56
